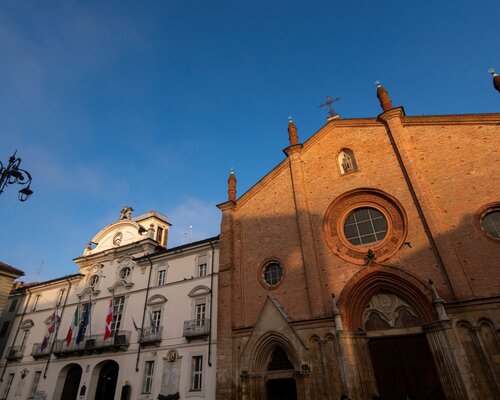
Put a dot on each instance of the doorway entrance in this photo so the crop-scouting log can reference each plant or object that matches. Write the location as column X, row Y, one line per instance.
column 281, row 389
column 280, row 382
column 106, row 385
column 71, row 383
column 404, row 368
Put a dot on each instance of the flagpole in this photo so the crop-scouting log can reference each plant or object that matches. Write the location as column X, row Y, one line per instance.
column 113, row 334
column 89, row 311
column 57, row 328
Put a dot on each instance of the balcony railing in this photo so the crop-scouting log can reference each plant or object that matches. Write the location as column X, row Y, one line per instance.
column 15, row 353
column 94, row 343
column 37, row 350
column 151, row 334
column 196, row 328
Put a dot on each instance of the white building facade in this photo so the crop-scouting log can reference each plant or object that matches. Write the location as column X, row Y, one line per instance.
column 138, row 321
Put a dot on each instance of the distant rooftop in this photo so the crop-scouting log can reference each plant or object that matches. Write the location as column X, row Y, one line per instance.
column 10, row 270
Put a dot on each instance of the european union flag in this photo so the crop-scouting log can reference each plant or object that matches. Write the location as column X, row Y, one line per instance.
column 84, row 321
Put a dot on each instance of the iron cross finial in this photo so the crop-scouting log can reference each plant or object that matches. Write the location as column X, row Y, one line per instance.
column 329, row 103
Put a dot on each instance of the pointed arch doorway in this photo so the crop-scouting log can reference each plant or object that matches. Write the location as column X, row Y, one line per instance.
column 280, row 384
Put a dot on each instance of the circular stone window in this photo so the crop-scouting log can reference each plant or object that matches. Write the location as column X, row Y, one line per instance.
column 489, row 220
column 124, row 273
column 93, row 280
column 362, row 220
column 365, row 226
column 272, row 273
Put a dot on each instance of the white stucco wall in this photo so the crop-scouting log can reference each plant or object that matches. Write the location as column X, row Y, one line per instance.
column 181, row 280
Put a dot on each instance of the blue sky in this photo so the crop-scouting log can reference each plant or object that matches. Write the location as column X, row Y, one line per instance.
column 149, row 104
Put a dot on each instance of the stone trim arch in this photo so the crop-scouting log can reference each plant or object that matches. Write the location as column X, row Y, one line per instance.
column 28, row 324
column 156, row 300
column 374, row 279
column 263, row 349
column 199, row 291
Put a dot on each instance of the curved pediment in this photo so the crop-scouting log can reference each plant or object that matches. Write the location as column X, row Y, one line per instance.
column 199, row 290
column 28, row 324
column 156, row 299
column 120, row 283
column 115, row 235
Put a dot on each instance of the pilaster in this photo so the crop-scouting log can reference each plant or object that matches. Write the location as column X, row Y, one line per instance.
column 224, row 382
column 453, row 376
column 315, row 289
column 427, row 206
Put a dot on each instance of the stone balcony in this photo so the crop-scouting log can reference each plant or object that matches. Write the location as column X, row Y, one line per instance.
column 196, row 329
column 150, row 335
column 93, row 344
column 38, row 352
column 15, row 353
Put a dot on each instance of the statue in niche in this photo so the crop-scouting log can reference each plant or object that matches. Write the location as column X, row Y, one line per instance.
column 347, row 163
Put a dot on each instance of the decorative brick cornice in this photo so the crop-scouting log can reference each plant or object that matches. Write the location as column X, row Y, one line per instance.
column 397, row 112
column 296, row 148
column 228, row 205
column 460, row 119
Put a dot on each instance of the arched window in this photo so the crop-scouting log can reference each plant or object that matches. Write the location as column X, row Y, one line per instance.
column 347, row 162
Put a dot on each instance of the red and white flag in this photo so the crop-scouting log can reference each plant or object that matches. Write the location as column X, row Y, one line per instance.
column 72, row 327
column 109, row 318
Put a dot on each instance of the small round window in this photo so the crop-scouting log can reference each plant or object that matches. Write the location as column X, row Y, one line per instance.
column 273, row 273
column 93, row 280
column 365, row 226
column 490, row 222
column 124, row 273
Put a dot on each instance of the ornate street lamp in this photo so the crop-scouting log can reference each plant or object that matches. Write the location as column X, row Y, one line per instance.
column 13, row 174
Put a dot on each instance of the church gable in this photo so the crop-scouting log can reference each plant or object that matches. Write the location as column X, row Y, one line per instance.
column 273, row 328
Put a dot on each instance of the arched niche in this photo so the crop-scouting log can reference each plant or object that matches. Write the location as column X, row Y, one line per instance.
column 346, row 161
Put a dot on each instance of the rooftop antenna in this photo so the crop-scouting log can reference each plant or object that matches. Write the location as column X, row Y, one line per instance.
column 329, row 104
column 189, row 234
column 38, row 271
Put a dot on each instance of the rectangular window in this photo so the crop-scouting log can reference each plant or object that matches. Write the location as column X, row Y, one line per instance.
column 24, row 338
column 118, row 304
column 5, row 328
column 8, row 384
column 35, row 302
column 159, row 235
column 200, row 312
column 60, row 297
column 34, row 384
column 13, row 305
column 196, row 373
column 161, row 277
column 147, row 381
column 155, row 320
column 202, row 265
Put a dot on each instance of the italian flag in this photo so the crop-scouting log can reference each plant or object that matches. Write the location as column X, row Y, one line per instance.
column 109, row 318
column 72, row 327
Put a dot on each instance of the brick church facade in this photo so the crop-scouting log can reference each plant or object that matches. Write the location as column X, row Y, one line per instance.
column 366, row 263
